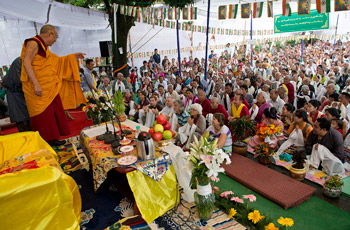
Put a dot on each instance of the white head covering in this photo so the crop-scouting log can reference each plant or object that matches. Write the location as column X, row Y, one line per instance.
column 197, row 107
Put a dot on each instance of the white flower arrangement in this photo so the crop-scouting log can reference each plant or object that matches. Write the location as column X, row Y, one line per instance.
column 205, row 158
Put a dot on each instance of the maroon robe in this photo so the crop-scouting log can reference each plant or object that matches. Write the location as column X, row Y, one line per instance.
column 205, row 105
column 220, row 109
column 52, row 123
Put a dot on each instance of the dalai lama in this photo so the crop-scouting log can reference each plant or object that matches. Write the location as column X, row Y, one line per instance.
column 46, row 79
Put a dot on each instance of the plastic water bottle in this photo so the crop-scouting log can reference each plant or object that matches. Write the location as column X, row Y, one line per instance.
column 137, row 132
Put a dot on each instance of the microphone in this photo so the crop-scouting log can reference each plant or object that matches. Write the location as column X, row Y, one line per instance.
column 111, row 139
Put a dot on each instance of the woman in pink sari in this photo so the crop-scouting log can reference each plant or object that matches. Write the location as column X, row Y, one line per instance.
column 271, row 117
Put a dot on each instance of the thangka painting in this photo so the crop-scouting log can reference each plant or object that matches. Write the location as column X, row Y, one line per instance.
column 245, row 10
column 304, row 7
column 222, row 14
column 170, row 14
column 341, row 5
column 144, row 15
column 185, row 15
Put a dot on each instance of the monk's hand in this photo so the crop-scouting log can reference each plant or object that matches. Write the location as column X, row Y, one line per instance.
column 37, row 90
column 79, row 55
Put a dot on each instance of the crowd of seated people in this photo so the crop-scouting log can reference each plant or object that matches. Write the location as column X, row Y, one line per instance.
column 311, row 96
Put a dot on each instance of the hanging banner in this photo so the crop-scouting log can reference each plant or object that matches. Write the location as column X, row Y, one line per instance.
column 295, row 22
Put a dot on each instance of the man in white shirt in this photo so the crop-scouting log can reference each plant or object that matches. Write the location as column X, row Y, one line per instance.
column 161, row 82
column 162, row 94
column 172, row 93
column 118, row 84
column 168, row 109
column 276, row 101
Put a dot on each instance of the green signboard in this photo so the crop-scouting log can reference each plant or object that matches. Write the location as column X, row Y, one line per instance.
column 295, row 22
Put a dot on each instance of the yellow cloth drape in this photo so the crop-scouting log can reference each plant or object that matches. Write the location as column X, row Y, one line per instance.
column 50, row 71
column 154, row 198
column 70, row 92
column 42, row 198
column 18, row 144
column 236, row 113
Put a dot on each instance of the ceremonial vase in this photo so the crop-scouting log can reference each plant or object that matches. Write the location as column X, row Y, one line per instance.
column 332, row 192
column 264, row 160
column 204, row 198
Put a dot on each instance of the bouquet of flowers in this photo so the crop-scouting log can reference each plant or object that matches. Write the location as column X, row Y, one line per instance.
column 205, row 159
column 95, row 109
column 264, row 131
column 264, row 150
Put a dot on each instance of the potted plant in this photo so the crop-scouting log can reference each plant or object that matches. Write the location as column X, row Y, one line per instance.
column 297, row 170
column 332, row 186
column 264, row 153
column 241, row 129
column 118, row 105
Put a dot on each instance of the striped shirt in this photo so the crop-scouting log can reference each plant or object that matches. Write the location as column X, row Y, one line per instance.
column 182, row 118
column 224, row 129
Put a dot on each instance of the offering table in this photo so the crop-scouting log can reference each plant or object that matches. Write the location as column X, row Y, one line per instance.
column 153, row 182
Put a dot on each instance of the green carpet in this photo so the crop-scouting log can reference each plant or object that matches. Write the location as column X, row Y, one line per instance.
column 346, row 187
column 312, row 214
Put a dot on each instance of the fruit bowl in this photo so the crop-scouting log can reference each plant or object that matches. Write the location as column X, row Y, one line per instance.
column 163, row 143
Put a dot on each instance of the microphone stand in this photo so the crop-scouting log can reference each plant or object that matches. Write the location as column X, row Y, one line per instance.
column 122, row 132
column 114, row 140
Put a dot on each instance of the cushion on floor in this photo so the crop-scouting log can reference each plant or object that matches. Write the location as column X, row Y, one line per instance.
column 283, row 190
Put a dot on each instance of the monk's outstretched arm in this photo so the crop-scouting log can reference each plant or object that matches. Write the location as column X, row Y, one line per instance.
column 31, row 50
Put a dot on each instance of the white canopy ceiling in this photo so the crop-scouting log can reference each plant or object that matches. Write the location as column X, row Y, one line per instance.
column 63, row 15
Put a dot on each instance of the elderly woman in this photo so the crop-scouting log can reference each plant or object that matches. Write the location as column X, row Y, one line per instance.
column 180, row 113
column 195, row 126
column 197, row 119
column 220, row 131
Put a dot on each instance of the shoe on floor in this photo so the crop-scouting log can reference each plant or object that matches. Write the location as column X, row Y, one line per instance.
column 56, row 142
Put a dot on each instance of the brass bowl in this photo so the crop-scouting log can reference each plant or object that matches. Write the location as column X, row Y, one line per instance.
column 164, row 143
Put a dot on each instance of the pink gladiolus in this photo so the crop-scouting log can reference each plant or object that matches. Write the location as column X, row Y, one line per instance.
column 237, row 199
column 225, row 194
column 216, row 189
column 215, row 179
column 251, row 198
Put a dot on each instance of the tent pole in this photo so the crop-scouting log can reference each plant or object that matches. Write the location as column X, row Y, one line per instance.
column 302, row 48
column 251, row 37
column 178, row 45
column 336, row 28
column 115, row 33
column 207, row 43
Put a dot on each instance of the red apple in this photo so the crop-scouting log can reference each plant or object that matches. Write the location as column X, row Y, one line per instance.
column 167, row 126
column 157, row 136
column 172, row 132
column 151, row 131
column 161, row 119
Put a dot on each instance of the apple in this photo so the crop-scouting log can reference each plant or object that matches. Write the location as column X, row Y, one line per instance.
column 155, row 123
column 157, row 136
column 159, row 128
column 167, row 126
column 167, row 135
column 172, row 133
column 151, row 131
column 161, row 119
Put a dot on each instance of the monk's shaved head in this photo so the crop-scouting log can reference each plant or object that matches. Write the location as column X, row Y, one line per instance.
column 47, row 28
